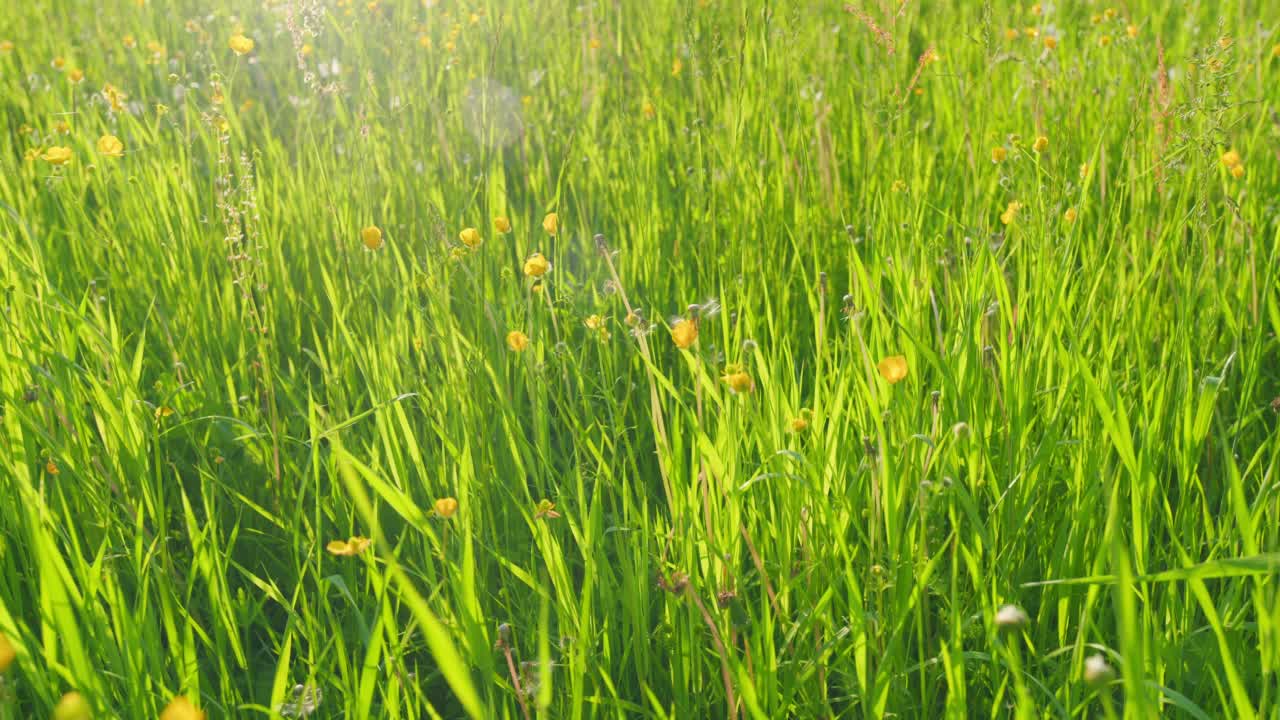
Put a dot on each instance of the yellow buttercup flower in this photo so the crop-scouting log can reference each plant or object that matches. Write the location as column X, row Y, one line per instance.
column 537, row 265
column 676, row 66
column 51, row 467
column 1050, row 42
column 129, row 42
column 76, row 75
column 1131, row 31
column 517, row 341
column 7, row 653
column 1237, row 172
column 1231, row 158
column 240, row 44
column 180, row 708
column 998, row 154
column 1041, row 144
column 371, row 236
column 738, row 381
column 114, row 97
column 551, row 223
column 1069, row 216
column 58, row 155
column 684, row 333
column 6, row 47
column 59, row 64
column 347, row 548
column 471, row 238
column 1010, row 212
column 62, row 128
column 110, row 146
column 598, row 325
column 446, row 507
column 800, row 423
column 502, row 224
column 649, row 111
column 893, row 368
column 72, row 706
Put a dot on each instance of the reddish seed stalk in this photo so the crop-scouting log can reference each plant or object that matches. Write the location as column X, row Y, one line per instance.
column 515, row 682
column 882, row 36
column 755, row 559
column 726, row 676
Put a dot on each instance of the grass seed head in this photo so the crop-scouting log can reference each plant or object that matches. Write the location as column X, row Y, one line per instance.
column 1010, row 617
column 1097, row 671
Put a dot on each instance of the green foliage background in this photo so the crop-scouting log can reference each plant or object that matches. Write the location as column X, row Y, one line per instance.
column 205, row 376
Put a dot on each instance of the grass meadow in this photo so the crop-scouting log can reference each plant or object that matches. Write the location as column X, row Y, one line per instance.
column 667, row 359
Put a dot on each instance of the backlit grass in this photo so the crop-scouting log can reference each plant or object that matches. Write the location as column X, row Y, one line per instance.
column 639, row 359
